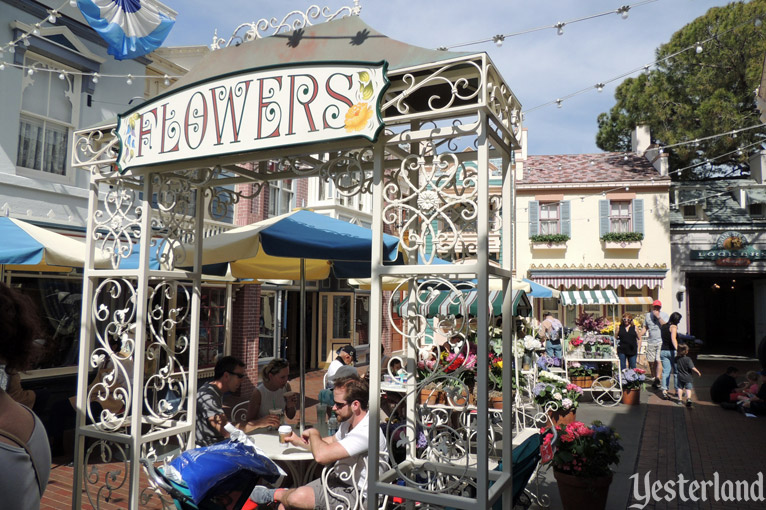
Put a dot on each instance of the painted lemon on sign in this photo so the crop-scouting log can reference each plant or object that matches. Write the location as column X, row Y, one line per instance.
column 357, row 117
column 733, row 243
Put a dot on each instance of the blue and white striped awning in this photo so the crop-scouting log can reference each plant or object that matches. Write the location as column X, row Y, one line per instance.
column 443, row 303
column 588, row 297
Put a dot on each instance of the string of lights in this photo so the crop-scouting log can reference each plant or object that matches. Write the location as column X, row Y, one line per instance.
column 558, row 26
column 698, row 48
column 627, row 188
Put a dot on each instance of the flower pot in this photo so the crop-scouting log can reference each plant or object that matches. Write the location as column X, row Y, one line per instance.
column 561, row 417
column 495, row 402
column 631, row 397
column 587, row 381
column 459, row 397
column 577, row 379
column 429, row 397
column 582, row 492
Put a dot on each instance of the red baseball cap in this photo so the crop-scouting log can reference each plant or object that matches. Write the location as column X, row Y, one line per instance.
column 657, row 302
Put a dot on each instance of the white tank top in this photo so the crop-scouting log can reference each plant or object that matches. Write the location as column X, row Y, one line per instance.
column 270, row 399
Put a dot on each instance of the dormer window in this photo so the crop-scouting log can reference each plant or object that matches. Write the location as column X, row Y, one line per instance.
column 689, row 211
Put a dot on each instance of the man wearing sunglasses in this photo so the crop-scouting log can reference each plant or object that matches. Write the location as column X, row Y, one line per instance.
column 347, row 449
column 211, row 419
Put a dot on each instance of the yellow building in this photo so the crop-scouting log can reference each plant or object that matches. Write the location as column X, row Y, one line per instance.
column 595, row 222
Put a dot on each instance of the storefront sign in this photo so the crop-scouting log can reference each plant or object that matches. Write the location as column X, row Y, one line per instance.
column 255, row 110
column 731, row 249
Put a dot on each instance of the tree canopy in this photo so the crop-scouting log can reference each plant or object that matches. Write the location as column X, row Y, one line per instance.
column 693, row 95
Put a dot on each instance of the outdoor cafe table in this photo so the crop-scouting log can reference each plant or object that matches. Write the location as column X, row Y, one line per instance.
column 299, row 462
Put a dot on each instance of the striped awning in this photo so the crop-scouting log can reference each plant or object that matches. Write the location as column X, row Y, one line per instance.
column 635, row 300
column 431, row 304
column 638, row 281
column 588, row 297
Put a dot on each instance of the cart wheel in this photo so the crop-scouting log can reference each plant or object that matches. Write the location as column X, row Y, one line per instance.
column 606, row 391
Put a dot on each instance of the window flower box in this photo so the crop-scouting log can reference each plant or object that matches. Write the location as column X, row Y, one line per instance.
column 622, row 245
column 549, row 246
column 549, row 241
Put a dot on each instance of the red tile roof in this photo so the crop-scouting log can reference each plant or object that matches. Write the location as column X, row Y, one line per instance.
column 601, row 167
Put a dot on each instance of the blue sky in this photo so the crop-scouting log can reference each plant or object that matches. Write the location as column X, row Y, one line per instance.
column 539, row 67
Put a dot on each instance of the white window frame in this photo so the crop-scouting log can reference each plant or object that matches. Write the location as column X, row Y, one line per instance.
column 550, row 215
column 74, row 97
column 620, row 216
column 276, row 189
column 275, row 296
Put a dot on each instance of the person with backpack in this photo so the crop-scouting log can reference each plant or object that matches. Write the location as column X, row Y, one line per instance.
column 551, row 331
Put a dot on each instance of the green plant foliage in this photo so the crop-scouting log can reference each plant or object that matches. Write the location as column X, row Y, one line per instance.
column 694, row 95
column 549, row 238
column 622, row 237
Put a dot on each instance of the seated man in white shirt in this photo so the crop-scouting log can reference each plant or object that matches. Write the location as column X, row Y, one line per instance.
column 347, row 448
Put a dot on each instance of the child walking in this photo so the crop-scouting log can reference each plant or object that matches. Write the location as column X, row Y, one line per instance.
column 684, row 369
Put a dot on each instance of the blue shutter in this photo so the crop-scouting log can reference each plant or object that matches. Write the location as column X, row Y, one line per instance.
column 638, row 215
column 603, row 217
column 534, row 218
column 566, row 215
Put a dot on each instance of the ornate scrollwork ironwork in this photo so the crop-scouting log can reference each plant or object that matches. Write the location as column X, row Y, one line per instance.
column 107, row 459
column 293, row 20
column 348, row 172
column 434, row 205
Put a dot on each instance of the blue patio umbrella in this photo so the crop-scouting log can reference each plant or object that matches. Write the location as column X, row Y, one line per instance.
column 541, row 291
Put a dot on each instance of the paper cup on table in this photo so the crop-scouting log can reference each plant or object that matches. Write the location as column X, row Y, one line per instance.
column 284, row 431
column 279, row 413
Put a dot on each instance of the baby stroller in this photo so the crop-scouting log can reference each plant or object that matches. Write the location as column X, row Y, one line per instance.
column 217, row 477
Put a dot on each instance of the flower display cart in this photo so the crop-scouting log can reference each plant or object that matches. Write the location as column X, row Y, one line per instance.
column 598, row 350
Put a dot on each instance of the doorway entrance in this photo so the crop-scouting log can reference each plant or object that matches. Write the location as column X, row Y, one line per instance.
column 722, row 312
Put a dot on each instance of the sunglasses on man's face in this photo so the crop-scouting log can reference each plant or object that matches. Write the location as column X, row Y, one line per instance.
column 237, row 374
column 339, row 405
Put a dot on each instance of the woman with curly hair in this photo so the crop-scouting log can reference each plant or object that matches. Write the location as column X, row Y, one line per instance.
column 25, row 456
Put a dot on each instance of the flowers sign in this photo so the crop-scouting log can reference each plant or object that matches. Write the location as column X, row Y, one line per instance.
column 253, row 110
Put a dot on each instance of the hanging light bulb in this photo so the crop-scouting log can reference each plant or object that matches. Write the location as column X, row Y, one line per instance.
column 600, row 87
column 698, row 49
column 592, row 162
column 25, row 40
column 167, row 80
column 62, row 75
column 12, row 48
column 560, row 27
column 624, row 11
column 625, row 158
column 52, row 17
column 758, row 22
column 2, row 66
column 94, row 78
column 31, row 71
column 558, row 102
column 498, row 39
column 72, row 3
column 36, row 30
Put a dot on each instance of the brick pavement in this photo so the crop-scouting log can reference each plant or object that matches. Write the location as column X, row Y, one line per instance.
column 701, row 441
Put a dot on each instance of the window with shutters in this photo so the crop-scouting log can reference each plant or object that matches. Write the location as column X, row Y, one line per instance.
column 549, row 218
column 620, row 216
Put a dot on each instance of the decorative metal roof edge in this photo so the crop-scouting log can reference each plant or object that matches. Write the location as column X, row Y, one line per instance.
column 599, row 267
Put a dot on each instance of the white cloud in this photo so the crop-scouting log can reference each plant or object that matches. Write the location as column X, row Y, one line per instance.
column 539, row 67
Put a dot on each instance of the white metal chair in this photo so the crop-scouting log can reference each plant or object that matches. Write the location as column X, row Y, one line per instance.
column 239, row 412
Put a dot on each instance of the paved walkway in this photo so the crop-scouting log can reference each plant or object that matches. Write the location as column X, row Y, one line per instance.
column 659, row 437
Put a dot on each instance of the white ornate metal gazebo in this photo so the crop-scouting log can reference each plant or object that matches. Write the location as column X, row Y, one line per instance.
column 416, row 128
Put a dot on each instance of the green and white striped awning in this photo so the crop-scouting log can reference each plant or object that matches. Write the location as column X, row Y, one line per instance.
column 588, row 297
column 431, row 304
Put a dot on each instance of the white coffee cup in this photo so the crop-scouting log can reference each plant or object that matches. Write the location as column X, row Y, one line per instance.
column 284, row 431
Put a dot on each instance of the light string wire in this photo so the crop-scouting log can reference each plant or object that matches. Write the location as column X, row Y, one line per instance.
column 638, row 183
column 600, row 86
column 559, row 26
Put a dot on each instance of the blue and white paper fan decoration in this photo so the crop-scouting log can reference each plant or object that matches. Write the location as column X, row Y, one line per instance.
column 131, row 27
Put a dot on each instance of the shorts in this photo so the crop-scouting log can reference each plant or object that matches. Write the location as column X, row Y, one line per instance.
column 684, row 385
column 341, row 495
column 653, row 352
